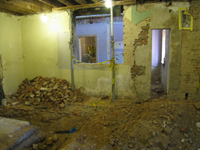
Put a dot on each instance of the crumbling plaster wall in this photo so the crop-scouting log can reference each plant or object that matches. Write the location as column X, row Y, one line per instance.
column 11, row 52
column 159, row 16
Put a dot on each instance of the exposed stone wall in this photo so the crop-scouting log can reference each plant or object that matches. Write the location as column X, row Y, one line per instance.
column 190, row 62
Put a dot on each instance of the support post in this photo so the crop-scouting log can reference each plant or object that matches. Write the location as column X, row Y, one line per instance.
column 112, row 52
column 71, row 51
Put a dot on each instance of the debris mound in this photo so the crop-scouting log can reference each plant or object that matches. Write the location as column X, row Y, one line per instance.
column 50, row 92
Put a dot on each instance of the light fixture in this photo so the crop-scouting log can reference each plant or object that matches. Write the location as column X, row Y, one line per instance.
column 108, row 3
column 44, row 18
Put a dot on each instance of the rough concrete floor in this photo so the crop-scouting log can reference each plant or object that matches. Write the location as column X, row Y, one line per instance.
column 156, row 124
column 8, row 126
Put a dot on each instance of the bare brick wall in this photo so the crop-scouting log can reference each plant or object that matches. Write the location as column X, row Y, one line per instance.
column 137, row 71
column 142, row 40
column 190, row 61
column 190, row 58
column 143, row 36
column 136, row 45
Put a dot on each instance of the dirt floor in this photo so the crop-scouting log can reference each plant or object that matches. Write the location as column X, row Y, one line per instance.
column 156, row 124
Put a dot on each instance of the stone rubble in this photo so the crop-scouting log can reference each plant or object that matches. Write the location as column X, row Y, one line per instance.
column 51, row 92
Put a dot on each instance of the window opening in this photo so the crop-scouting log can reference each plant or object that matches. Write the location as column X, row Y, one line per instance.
column 98, row 26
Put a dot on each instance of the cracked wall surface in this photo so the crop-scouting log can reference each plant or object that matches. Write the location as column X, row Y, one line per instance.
column 184, row 48
column 133, row 78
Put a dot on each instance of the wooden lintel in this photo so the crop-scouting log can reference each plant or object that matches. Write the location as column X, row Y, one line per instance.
column 85, row 6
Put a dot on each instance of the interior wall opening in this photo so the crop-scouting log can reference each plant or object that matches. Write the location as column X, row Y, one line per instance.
column 99, row 25
column 160, row 62
column 87, row 49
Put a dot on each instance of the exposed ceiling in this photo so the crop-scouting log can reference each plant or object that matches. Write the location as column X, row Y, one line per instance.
column 28, row 7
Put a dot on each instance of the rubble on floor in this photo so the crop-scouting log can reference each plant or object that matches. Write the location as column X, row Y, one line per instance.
column 156, row 89
column 50, row 92
column 18, row 135
column 155, row 124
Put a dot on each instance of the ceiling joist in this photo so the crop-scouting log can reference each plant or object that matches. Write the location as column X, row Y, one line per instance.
column 10, row 12
column 81, row 1
column 23, row 5
column 15, row 8
column 42, row 6
column 68, row 3
column 86, row 6
column 52, row 3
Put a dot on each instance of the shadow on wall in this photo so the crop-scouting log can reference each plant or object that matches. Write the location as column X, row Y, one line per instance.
column 2, row 96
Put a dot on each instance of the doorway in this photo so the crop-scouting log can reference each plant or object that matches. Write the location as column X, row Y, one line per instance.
column 160, row 62
column 88, row 49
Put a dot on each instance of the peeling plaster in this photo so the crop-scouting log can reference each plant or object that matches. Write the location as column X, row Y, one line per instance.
column 135, row 17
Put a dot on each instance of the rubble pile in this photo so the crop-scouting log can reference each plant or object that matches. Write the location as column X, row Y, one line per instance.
column 51, row 92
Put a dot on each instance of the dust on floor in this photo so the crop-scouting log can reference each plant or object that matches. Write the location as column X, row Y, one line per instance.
column 156, row 124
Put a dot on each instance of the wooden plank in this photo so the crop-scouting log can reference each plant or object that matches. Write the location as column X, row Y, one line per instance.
column 65, row 2
column 85, row 6
column 10, row 12
column 103, row 10
column 15, row 8
column 81, row 1
column 52, row 3
column 42, row 6
column 96, row 1
column 23, row 5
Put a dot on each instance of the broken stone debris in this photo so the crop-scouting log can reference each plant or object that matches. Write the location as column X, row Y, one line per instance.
column 55, row 138
column 47, row 91
column 35, row 146
column 198, row 124
column 49, row 141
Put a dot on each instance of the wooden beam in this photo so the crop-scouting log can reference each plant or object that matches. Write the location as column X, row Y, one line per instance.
column 96, row 1
column 10, row 12
column 23, row 5
column 15, row 8
column 42, row 6
column 102, row 10
column 52, row 3
column 81, row 1
column 66, row 2
column 85, row 6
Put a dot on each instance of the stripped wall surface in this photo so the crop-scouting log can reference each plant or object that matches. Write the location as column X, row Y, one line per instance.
column 11, row 52
column 133, row 78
